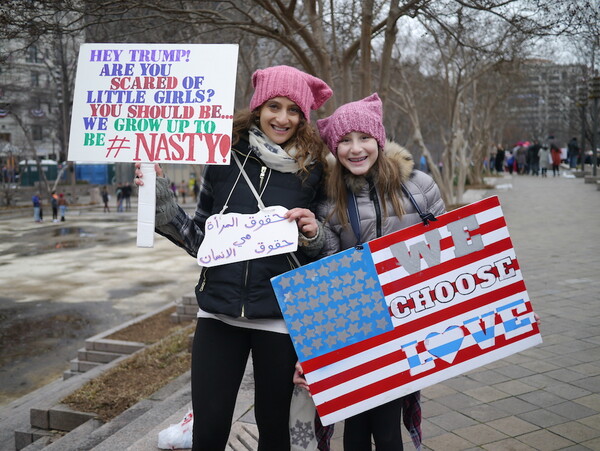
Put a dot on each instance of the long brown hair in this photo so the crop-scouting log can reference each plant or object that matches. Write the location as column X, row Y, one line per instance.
column 387, row 177
column 306, row 139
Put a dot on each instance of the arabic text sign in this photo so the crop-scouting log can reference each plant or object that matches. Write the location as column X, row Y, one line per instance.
column 166, row 103
column 409, row 310
column 234, row 237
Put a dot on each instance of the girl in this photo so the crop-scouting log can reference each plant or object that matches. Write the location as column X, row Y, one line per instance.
column 372, row 174
column 282, row 156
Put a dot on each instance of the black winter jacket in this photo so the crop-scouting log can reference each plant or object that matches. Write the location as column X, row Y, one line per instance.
column 242, row 288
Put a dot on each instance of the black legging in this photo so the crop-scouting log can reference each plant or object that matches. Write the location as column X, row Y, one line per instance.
column 219, row 356
column 382, row 422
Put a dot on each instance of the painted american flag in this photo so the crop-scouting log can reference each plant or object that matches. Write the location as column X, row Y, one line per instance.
column 408, row 310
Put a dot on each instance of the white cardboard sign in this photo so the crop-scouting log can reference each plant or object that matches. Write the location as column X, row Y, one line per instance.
column 235, row 237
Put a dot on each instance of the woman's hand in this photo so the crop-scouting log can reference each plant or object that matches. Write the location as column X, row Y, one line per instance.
column 305, row 220
column 139, row 174
column 298, row 378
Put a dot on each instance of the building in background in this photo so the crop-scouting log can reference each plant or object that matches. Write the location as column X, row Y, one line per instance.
column 28, row 106
column 544, row 102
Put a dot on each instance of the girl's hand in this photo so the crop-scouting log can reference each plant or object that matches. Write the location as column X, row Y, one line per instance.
column 305, row 220
column 139, row 174
column 298, row 378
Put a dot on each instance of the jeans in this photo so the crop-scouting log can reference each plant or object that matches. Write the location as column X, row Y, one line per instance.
column 573, row 161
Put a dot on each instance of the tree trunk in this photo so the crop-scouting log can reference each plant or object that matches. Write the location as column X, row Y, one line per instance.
column 386, row 54
column 43, row 181
column 365, row 47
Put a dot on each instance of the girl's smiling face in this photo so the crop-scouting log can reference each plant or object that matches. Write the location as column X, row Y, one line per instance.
column 279, row 119
column 357, row 152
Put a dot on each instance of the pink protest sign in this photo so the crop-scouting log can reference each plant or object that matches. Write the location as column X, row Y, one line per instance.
column 163, row 103
column 407, row 311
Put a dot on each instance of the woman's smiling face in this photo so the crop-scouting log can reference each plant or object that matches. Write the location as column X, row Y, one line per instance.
column 357, row 152
column 279, row 119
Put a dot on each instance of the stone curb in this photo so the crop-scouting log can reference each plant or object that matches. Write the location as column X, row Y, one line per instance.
column 99, row 350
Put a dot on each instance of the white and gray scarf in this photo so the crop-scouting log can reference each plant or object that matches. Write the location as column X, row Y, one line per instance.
column 273, row 155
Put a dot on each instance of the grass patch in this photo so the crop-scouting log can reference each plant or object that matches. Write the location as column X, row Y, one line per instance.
column 135, row 378
column 150, row 330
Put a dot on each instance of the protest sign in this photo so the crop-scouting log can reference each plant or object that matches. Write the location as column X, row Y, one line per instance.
column 164, row 103
column 235, row 237
column 153, row 103
column 408, row 310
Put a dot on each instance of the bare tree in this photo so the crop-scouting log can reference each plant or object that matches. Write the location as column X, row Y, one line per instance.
column 343, row 42
column 462, row 61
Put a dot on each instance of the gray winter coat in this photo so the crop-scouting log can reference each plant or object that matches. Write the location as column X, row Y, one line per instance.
column 420, row 185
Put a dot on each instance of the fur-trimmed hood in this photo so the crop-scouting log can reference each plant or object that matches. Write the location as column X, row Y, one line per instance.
column 393, row 151
column 400, row 154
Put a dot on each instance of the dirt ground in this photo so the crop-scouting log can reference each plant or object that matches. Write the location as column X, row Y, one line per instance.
column 142, row 374
column 64, row 282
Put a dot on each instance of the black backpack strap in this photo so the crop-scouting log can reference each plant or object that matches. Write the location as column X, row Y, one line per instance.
column 353, row 217
column 425, row 216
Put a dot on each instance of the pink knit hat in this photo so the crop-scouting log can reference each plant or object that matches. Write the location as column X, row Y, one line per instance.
column 308, row 92
column 365, row 116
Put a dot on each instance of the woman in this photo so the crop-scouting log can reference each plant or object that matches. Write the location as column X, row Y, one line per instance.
column 556, row 157
column 544, row 155
column 371, row 174
column 282, row 155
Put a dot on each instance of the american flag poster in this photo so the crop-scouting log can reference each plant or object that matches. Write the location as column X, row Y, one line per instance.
column 408, row 310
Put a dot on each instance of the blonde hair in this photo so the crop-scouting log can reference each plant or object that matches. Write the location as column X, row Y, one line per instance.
column 386, row 176
column 306, row 139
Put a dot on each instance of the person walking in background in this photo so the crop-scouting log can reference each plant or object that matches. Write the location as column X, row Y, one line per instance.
column 105, row 199
column 510, row 161
column 573, row 152
column 492, row 162
column 119, row 195
column 533, row 157
column 54, row 204
column 127, row 189
column 196, row 190
column 555, row 157
column 365, row 188
column 423, row 164
column 37, row 208
column 544, row 156
column 182, row 190
column 499, row 160
column 521, row 156
column 282, row 157
column 62, row 206
column 191, row 184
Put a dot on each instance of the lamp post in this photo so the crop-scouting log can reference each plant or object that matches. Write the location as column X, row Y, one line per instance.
column 582, row 103
column 594, row 95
